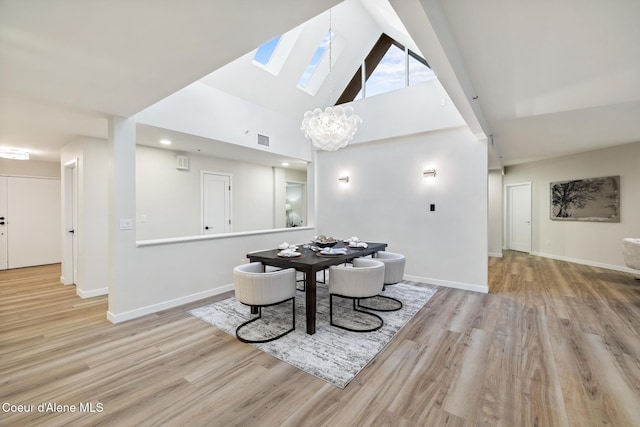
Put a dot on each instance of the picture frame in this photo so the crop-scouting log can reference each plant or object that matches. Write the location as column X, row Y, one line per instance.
column 591, row 199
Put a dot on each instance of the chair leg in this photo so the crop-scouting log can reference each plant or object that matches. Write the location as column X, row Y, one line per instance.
column 331, row 322
column 240, row 338
column 382, row 309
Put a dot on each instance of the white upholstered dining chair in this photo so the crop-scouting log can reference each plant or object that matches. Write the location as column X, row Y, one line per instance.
column 363, row 280
column 256, row 288
column 393, row 273
column 631, row 253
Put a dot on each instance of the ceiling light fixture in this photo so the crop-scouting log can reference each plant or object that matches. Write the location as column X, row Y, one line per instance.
column 334, row 127
column 165, row 142
column 13, row 154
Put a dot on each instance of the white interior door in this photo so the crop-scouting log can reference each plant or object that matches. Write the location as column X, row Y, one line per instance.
column 216, row 203
column 33, row 221
column 3, row 224
column 519, row 217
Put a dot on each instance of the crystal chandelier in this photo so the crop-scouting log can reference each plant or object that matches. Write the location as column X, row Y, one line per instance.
column 334, row 127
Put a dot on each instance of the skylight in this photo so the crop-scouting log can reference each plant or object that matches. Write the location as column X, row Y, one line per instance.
column 265, row 52
column 272, row 55
column 315, row 60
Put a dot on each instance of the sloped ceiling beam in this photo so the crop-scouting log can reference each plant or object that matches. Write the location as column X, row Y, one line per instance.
column 428, row 26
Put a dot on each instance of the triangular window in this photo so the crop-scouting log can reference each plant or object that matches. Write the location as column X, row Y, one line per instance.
column 389, row 66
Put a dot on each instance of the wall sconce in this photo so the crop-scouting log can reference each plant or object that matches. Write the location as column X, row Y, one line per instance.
column 429, row 173
column 344, row 179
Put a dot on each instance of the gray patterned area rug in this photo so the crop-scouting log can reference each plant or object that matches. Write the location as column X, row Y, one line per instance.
column 332, row 354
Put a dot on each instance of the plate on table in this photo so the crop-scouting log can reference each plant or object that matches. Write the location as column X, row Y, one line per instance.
column 329, row 255
column 290, row 255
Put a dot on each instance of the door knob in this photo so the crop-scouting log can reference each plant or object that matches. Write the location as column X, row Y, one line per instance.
column 206, row 227
column 72, row 231
column 1, row 222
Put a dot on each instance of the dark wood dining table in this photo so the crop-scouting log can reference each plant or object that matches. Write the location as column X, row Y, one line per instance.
column 310, row 263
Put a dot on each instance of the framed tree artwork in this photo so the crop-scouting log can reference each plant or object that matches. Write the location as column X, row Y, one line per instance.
column 592, row 199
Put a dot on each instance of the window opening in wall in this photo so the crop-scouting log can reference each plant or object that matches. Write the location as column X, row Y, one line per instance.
column 387, row 67
column 389, row 74
column 419, row 71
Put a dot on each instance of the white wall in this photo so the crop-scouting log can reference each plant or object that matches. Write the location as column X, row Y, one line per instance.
column 598, row 244
column 29, row 168
column 495, row 213
column 388, row 200
column 201, row 110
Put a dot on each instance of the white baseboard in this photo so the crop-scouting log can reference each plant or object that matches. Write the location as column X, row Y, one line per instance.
column 64, row 281
column 585, row 262
column 495, row 254
column 92, row 293
column 447, row 284
column 150, row 309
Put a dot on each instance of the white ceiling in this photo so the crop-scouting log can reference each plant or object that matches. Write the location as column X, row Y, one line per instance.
column 551, row 78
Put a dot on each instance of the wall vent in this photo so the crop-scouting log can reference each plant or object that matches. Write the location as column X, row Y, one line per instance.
column 263, row 140
column 182, row 162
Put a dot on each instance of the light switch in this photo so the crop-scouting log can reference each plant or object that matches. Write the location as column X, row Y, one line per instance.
column 126, row 224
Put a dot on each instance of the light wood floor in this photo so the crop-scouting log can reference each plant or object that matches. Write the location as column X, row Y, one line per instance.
column 553, row 344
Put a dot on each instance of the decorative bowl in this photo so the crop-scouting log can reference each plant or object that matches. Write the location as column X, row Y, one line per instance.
column 325, row 244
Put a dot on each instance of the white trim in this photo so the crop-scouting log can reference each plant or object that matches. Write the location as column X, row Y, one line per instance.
column 30, row 176
column 447, row 284
column 586, row 262
column 92, row 293
column 63, row 281
column 150, row 309
column 495, row 254
column 171, row 240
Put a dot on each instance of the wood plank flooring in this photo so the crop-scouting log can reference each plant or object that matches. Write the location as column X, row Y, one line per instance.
column 553, row 344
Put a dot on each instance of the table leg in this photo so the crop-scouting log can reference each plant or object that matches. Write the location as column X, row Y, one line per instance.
column 310, row 301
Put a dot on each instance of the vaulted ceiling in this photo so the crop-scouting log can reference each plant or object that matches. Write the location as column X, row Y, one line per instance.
column 539, row 79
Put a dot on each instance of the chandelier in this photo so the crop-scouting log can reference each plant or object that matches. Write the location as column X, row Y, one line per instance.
column 334, row 127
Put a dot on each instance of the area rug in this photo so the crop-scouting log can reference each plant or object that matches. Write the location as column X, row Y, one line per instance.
column 332, row 354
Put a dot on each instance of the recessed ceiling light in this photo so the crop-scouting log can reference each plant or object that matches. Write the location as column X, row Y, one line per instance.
column 285, row 164
column 13, row 154
column 165, row 142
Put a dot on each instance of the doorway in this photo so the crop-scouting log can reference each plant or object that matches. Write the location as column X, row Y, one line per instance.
column 216, row 203
column 296, row 204
column 4, row 259
column 518, row 214
column 71, row 231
